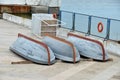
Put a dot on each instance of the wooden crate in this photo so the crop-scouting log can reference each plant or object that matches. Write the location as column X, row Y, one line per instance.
column 50, row 28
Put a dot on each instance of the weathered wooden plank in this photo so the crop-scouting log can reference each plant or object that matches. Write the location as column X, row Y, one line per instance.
column 21, row 62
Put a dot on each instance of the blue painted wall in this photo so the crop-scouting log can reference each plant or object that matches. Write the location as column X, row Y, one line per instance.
column 103, row 8
column 108, row 9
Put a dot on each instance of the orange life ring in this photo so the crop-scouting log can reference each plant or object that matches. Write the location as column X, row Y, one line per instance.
column 55, row 15
column 100, row 27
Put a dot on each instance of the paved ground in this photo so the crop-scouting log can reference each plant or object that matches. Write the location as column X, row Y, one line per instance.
column 83, row 70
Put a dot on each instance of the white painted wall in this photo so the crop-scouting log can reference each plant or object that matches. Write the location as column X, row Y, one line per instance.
column 51, row 3
column 17, row 20
column 12, row 1
column 36, row 22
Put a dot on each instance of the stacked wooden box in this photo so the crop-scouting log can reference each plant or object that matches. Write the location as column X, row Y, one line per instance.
column 48, row 27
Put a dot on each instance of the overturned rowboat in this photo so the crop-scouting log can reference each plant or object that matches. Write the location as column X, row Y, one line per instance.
column 63, row 49
column 88, row 47
column 33, row 50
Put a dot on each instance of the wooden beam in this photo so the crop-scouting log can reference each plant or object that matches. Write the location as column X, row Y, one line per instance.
column 22, row 62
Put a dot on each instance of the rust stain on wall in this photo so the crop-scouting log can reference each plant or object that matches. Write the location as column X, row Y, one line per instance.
column 15, row 8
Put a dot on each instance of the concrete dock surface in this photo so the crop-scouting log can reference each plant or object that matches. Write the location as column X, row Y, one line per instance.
column 83, row 70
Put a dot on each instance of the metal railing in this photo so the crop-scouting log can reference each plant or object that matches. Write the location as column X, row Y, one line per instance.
column 89, row 23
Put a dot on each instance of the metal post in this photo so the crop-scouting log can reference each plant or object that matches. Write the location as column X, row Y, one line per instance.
column 25, row 2
column 89, row 25
column 73, row 27
column 108, row 29
column 48, row 10
column 60, row 15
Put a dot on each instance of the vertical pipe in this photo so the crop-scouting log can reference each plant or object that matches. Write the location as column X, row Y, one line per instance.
column 60, row 15
column 73, row 26
column 108, row 29
column 89, row 25
column 0, row 9
column 25, row 2
column 48, row 10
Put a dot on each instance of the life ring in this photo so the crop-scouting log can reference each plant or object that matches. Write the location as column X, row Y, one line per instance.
column 100, row 27
column 55, row 15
